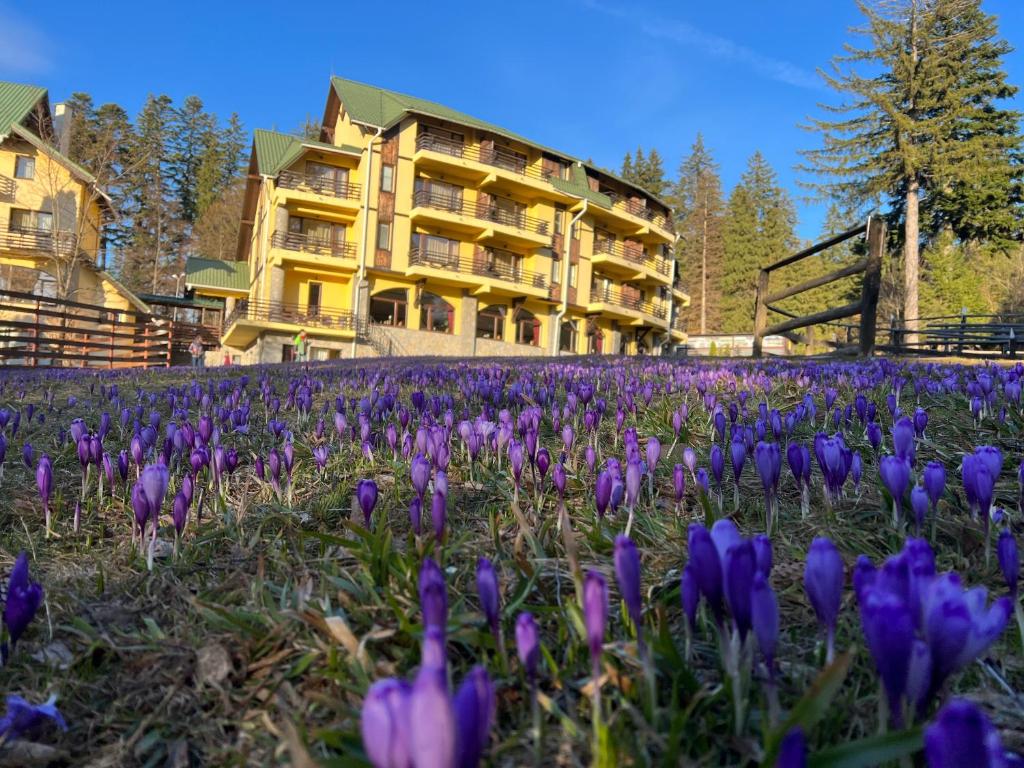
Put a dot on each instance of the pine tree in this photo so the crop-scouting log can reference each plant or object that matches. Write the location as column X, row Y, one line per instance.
column 697, row 199
column 949, row 281
column 758, row 230
column 648, row 173
column 192, row 135
column 628, row 170
column 927, row 124
column 153, row 204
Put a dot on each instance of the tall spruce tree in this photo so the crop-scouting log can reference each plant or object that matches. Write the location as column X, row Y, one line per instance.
column 927, row 131
column 193, row 135
column 648, row 172
column 699, row 212
column 759, row 223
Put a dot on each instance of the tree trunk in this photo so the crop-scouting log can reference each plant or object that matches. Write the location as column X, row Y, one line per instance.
column 911, row 262
column 704, row 272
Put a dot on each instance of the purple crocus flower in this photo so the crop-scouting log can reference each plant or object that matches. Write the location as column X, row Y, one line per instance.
column 416, row 514
column 439, row 514
column 528, row 645
column 763, row 551
column 874, row 434
column 707, row 568
column 768, row 461
column 433, row 595
column 689, row 593
column 740, row 566
column 366, row 495
column 717, row 461
column 679, row 482
column 903, row 439
column 889, row 633
column 962, row 732
column 793, row 750
column 474, row 712
column 27, row 454
column 154, row 481
column 489, row 593
column 419, row 471
column 895, row 473
column 934, row 480
column 595, row 615
column 23, row 599
column 653, row 453
column 24, row 719
column 627, row 573
column 919, row 503
column 385, row 724
column 432, row 725
column 44, row 481
column 823, row 582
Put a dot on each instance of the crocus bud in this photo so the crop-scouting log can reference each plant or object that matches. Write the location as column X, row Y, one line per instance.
column 959, row 733
column 366, row 494
column 433, row 595
column 653, row 453
column 889, row 634
column 627, row 573
column 823, row 582
column 23, row 600
column 740, row 566
column 489, row 592
column 416, row 514
column 707, row 568
column 895, row 473
column 689, row 594
column 528, row 644
column 558, row 479
column 919, row 503
column 179, row 511
column 385, row 724
column 439, row 513
column 793, row 750
column 432, row 725
column 679, row 482
column 595, row 614
column 474, row 713
column 934, row 481
column 603, row 491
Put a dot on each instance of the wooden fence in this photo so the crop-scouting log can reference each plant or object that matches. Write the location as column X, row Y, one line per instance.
column 866, row 306
column 42, row 331
column 963, row 335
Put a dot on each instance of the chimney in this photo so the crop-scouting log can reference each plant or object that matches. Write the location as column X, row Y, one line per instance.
column 62, row 115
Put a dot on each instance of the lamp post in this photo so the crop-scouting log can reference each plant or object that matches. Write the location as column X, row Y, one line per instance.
column 177, row 286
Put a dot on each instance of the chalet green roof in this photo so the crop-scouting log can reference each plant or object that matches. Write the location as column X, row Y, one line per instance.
column 216, row 273
column 186, row 302
column 578, row 185
column 276, row 151
column 381, row 108
column 16, row 102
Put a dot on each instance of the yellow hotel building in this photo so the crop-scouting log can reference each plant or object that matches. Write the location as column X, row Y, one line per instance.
column 413, row 229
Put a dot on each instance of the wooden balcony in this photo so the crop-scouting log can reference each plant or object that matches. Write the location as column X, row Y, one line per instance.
column 616, row 297
column 255, row 310
column 481, row 265
column 632, row 255
column 483, row 211
column 515, row 163
column 319, row 185
column 302, row 243
column 37, row 241
column 641, row 211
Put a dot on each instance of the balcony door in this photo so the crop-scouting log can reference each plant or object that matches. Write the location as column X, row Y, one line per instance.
column 313, row 301
column 507, row 212
column 326, row 178
column 438, row 194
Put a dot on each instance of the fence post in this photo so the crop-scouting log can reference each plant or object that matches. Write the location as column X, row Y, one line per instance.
column 170, row 342
column 872, row 285
column 760, row 311
column 35, row 336
column 113, row 329
column 963, row 329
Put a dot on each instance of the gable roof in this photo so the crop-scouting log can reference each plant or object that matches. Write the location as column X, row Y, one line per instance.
column 217, row 273
column 276, row 151
column 16, row 102
column 381, row 108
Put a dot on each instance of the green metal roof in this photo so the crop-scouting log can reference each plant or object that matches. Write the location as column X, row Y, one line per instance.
column 382, row 108
column 216, row 273
column 276, row 151
column 578, row 185
column 195, row 302
column 16, row 102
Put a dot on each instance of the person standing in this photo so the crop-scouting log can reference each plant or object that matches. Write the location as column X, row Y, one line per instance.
column 196, row 350
column 300, row 346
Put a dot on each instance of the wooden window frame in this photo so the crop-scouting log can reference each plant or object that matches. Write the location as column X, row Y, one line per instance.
column 395, row 302
column 496, row 313
column 30, row 162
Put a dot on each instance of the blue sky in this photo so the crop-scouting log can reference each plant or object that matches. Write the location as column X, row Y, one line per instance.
column 592, row 77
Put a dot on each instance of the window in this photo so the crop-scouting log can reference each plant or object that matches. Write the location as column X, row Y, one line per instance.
column 388, row 308
column 559, row 210
column 28, row 221
column 313, row 302
column 573, row 268
column 384, row 235
column 556, row 270
column 24, row 167
column 315, row 235
column 318, row 353
column 567, row 336
column 435, row 250
column 326, row 178
column 490, row 323
column 438, row 194
column 387, row 178
column 503, row 264
column 287, row 353
column 527, row 328
column 436, row 314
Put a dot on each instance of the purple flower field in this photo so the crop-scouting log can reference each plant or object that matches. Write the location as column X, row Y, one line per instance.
column 418, row 563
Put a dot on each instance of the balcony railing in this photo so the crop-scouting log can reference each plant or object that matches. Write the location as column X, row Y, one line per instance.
column 321, row 185
column 443, row 201
column 619, row 298
column 637, row 256
column 648, row 214
column 7, row 189
column 41, row 240
column 299, row 241
column 294, row 314
column 482, row 265
column 499, row 157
